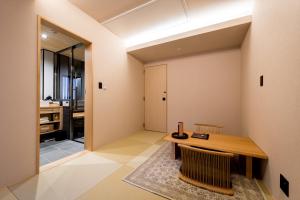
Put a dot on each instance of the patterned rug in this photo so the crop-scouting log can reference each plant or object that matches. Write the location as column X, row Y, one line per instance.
column 159, row 175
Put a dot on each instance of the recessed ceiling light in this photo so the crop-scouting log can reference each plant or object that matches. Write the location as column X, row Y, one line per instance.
column 44, row 36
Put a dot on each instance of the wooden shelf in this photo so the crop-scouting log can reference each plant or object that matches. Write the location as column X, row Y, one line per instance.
column 50, row 122
column 49, row 131
column 55, row 115
column 78, row 115
column 49, row 112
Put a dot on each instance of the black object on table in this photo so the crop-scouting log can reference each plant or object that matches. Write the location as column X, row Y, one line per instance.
column 180, row 136
column 203, row 136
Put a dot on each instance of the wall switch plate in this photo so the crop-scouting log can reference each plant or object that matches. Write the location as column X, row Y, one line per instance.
column 261, row 80
column 284, row 185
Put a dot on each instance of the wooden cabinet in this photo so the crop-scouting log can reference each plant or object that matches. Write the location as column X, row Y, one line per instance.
column 51, row 119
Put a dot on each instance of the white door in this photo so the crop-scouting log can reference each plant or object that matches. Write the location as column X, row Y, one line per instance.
column 156, row 98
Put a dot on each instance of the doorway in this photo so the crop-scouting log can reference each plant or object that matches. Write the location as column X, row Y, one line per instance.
column 65, row 94
column 156, row 98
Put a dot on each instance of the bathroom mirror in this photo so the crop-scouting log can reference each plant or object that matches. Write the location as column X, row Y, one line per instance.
column 47, row 74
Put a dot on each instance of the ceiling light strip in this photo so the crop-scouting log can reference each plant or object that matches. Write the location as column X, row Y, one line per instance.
column 129, row 11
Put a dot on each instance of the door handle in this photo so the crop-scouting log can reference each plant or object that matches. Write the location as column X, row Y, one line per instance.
column 164, row 98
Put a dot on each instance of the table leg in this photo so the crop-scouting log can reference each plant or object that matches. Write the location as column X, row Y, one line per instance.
column 248, row 167
column 176, row 151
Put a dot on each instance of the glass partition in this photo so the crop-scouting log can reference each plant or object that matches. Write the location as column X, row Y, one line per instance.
column 62, row 79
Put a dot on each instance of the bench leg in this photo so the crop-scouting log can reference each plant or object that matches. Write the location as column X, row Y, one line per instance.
column 176, row 151
column 249, row 167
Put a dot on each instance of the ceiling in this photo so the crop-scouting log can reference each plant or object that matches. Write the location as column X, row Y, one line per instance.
column 154, row 30
column 217, row 37
column 57, row 41
column 155, row 15
column 78, row 52
column 140, row 21
column 103, row 10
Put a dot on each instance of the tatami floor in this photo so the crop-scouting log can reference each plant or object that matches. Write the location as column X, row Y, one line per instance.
column 93, row 175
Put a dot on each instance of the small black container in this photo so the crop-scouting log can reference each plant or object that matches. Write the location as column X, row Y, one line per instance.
column 178, row 136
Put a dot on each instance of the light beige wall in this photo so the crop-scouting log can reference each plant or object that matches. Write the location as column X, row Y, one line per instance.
column 18, row 90
column 118, row 111
column 204, row 88
column 271, row 113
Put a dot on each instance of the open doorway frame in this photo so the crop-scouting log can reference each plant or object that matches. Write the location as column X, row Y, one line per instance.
column 88, row 122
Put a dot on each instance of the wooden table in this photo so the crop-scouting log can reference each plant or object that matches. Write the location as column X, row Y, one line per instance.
column 225, row 143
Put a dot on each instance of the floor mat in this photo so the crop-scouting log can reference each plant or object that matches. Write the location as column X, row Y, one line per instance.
column 67, row 181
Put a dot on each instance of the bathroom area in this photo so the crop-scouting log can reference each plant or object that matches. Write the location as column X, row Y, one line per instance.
column 62, row 95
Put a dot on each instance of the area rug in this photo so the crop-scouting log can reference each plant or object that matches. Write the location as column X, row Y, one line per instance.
column 159, row 175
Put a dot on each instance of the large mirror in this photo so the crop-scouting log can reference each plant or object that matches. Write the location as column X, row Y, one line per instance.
column 47, row 74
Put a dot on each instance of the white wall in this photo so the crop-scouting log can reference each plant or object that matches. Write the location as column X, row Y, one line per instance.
column 271, row 113
column 117, row 111
column 204, row 88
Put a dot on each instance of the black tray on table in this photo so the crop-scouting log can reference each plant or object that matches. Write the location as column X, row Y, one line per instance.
column 177, row 136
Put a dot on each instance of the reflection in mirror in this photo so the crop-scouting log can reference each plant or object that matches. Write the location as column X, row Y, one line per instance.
column 47, row 74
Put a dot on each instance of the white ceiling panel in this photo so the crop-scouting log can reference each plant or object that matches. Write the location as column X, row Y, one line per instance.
column 103, row 10
column 160, row 14
column 198, row 9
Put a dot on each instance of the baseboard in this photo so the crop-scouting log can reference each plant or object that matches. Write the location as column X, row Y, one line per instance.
column 266, row 193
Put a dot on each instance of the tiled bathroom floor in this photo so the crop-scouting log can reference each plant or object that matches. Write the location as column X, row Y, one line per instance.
column 55, row 150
